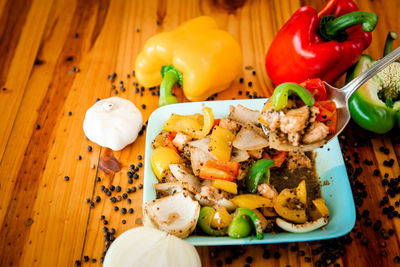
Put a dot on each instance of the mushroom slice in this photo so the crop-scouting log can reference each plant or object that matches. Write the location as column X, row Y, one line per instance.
column 183, row 175
column 301, row 228
column 176, row 214
column 243, row 115
column 166, row 189
column 248, row 139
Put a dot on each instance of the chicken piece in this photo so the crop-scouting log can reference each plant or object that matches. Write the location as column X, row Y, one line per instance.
column 230, row 125
column 295, row 120
column 294, row 139
column 256, row 153
column 272, row 118
column 267, row 190
column 212, row 193
column 314, row 111
column 169, row 177
column 242, row 172
column 317, row 131
column 185, row 177
column 298, row 160
column 181, row 140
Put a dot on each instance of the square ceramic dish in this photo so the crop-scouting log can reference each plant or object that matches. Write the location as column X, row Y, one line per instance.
column 329, row 163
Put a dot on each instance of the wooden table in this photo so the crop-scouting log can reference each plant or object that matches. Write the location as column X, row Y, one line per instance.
column 55, row 56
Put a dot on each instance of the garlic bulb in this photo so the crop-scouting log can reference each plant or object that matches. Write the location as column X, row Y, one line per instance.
column 113, row 122
column 147, row 246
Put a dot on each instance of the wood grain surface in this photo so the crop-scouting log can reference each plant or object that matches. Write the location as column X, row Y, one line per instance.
column 55, row 56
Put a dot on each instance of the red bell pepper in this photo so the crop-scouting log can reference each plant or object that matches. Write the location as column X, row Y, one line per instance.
column 320, row 45
column 327, row 114
column 218, row 169
column 316, row 87
column 167, row 140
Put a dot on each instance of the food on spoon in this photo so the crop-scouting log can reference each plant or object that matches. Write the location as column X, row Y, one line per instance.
column 150, row 247
column 197, row 55
column 320, row 45
column 236, row 186
column 113, row 122
column 176, row 214
column 375, row 106
column 296, row 121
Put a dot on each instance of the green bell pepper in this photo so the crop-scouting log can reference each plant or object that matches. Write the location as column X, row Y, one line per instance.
column 242, row 222
column 375, row 106
column 205, row 217
column 282, row 92
column 258, row 173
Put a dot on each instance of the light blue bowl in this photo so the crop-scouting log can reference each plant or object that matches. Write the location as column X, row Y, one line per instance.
column 329, row 163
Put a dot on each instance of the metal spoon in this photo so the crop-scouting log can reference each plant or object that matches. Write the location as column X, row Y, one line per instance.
column 341, row 96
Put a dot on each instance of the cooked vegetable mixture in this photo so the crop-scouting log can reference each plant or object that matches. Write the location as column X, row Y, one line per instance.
column 221, row 177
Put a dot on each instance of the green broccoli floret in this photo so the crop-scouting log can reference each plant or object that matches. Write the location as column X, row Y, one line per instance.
column 389, row 84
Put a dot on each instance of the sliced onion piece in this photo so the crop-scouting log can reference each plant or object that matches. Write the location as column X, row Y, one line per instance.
column 147, row 246
column 248, row 139
column 301, row 228
column 243, row 115
column 176, row 214
column 276, row 144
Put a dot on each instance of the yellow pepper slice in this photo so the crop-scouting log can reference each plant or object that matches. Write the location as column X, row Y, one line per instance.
column 196, row 126
column 208, row 123
column 158, row 141
column 251, row 201
column 183, row 123
column 221, row 143
column 221, row 219
column 301, row 192
column 208, row 58
column 227, row 186
column 291, row 203
column 160, row 160
column 319, row 203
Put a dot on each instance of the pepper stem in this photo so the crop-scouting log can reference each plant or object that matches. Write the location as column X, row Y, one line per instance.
column 171, row 76
column 331, row 28
column 389, row 42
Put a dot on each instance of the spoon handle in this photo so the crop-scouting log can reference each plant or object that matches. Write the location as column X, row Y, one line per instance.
column 382, row 63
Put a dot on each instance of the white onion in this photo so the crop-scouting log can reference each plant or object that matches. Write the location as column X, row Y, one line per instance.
column 147, row 246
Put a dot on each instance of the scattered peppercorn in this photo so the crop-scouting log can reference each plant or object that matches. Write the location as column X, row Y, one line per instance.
column 66, row 178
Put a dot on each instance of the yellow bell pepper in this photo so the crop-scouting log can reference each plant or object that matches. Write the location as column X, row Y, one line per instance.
column 230, row 187
column 221, row 143
column 203, row 59
column 291, row 203
column 196, row 126
column 160, row 160
column 251, row 201
column 221, row 219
